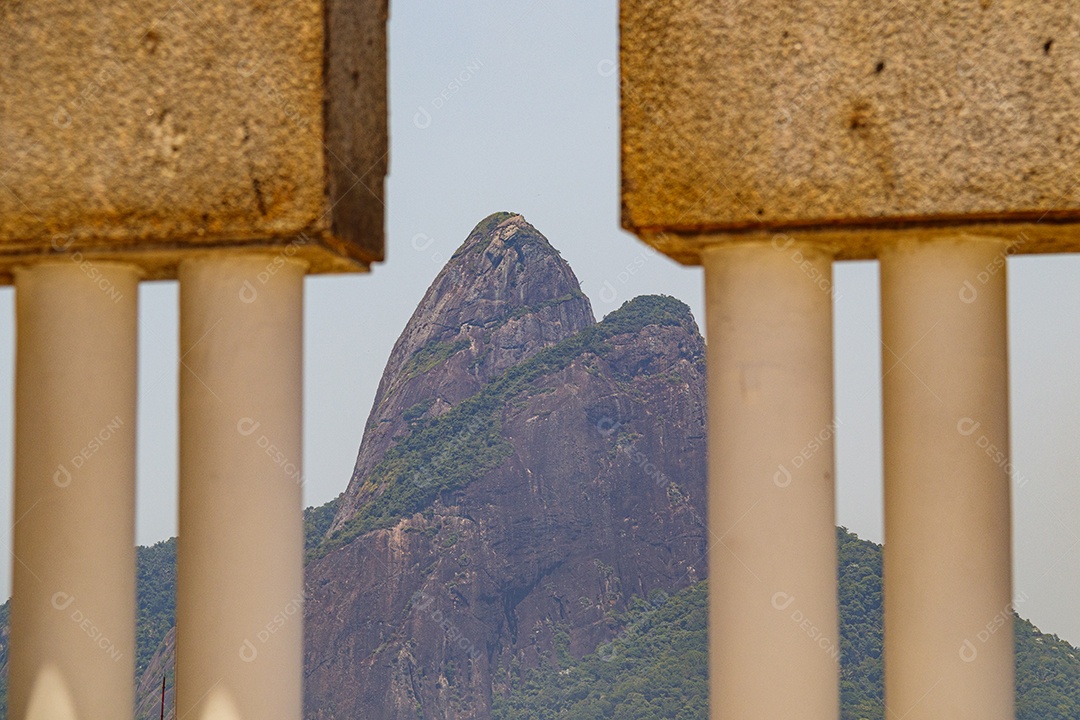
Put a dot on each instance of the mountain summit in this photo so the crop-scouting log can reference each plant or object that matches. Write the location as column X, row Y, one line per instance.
column 525, row 473
column 505, row 294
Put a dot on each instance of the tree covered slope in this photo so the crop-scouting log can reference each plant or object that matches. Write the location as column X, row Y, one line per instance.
column 657, row 668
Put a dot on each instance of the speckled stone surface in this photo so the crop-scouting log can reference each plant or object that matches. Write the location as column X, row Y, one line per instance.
column 155, row 129
column 836, row 118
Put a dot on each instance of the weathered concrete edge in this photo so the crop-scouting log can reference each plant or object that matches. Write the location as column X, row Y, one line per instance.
column 346, row 217
column 865, row 242
column 325, row 254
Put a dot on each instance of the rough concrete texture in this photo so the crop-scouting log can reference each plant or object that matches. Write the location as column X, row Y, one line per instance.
column 150, row 131
column 840, row 116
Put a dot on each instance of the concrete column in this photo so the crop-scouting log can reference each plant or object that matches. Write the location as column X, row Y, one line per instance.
column 947, row 561
column 773, row 640
column 239, row 614
column 72, row 652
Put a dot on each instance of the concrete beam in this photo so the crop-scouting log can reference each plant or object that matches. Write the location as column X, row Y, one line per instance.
column 850, row 123
column 153, row 131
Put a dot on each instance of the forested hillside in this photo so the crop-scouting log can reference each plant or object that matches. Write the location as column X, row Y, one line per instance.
column 657, row 668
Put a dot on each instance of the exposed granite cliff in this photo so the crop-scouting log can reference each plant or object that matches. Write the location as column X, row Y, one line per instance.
column 504, row 294
column 148, row 691
column 524, row 473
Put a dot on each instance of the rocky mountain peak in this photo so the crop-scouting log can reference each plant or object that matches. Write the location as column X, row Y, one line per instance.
column 505, row 533
column 505, row 270
column 503, row 296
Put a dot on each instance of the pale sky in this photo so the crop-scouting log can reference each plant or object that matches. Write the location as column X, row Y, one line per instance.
column 514, row 106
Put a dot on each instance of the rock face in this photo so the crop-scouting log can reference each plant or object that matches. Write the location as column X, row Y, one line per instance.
column 148, row 691
column 525, row 472
column 504, row 295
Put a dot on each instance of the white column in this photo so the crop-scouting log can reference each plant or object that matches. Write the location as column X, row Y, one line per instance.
column 73, row 602
column 239, row 614
column 773, row 640
column 947, row 561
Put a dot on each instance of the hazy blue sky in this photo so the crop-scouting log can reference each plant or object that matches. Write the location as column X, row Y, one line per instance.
column 514, row 106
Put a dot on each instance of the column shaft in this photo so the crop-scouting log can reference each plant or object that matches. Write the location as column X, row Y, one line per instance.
column 73, row 600
column 240, row 551
column 947, row 559
column 773, row 639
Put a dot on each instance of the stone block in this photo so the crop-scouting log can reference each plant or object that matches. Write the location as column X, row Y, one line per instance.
column 850, row 121
column 154, row 130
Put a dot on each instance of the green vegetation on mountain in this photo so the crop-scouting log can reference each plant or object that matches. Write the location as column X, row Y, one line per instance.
column 1047, row 675
column 656, row 669
column 431, row 355
column 155, row 588
column 317, row 521
column 483, row 228
column 861, row 623
column 452, row 450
